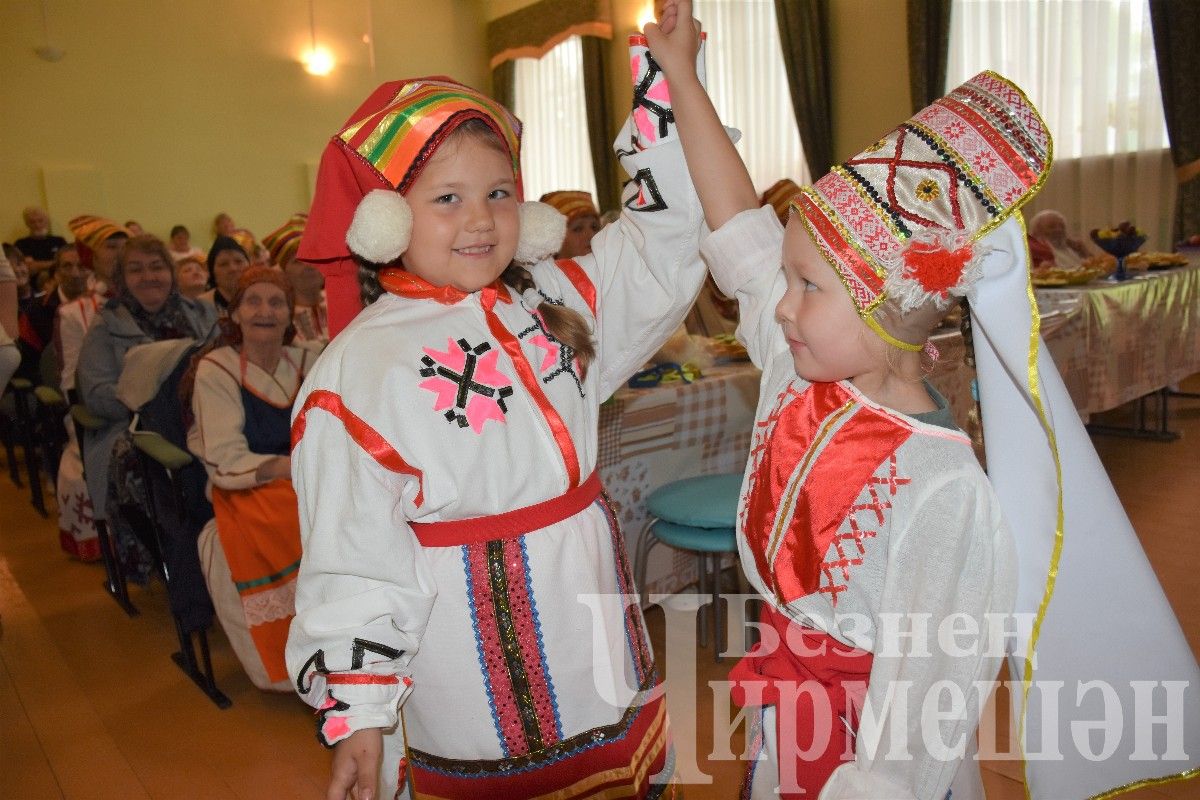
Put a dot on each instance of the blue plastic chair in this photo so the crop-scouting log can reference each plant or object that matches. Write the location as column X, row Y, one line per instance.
column 699, row 515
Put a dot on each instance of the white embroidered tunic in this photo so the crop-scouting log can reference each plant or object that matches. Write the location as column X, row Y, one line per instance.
column 510, row 654
column 855, row 543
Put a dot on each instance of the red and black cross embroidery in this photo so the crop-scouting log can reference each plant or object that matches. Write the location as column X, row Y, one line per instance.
column 558, row 358
column 646, row 196
column 469, row 388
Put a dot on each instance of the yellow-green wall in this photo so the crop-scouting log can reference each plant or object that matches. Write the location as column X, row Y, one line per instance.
column 169, row 111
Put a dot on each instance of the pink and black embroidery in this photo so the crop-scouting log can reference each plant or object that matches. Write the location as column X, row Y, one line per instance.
column 332, row 729
column 646, row 196
column 558, row 358
column 469, row 388
column 652, row 112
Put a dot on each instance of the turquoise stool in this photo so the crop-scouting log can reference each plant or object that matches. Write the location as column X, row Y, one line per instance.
column 696, row 514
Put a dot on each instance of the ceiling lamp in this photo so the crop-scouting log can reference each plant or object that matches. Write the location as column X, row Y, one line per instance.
column 317, row 60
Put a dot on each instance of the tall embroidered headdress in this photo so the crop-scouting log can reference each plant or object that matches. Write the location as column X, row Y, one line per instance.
column 901, row 219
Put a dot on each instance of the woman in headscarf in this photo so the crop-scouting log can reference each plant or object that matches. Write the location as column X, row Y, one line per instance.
column 241, row 396
column 147, row 308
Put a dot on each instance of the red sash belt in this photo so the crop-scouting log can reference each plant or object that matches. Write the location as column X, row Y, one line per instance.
column 510, row 524
column 823, row 660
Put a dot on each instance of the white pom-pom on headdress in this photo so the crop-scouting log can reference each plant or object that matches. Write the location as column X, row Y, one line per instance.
column 381, row 228
column 935, row 266
column 543, row 229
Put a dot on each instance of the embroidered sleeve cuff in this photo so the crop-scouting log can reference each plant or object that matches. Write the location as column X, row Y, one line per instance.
column 741, row 249
column 354, row 701
column 848, row 782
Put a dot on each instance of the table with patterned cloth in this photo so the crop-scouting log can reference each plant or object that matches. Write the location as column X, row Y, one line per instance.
column 649, row 437
column 1127, row 339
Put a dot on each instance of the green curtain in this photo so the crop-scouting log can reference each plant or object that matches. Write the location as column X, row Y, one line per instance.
column 804, row 35
column 599, row 122
column 1175, row 23
column 504, row 84
column 928, row 49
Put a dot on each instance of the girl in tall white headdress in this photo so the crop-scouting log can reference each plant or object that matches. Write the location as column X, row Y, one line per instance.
column 880, row 547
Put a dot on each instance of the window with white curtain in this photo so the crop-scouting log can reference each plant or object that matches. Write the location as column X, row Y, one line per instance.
column 748, row 85
column 1089, row 67
column 550, row 103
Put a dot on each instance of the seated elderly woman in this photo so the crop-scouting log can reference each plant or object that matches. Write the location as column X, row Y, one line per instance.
column 1049, row 241
column 241, row 398
column 147, row 308
column 227, row 260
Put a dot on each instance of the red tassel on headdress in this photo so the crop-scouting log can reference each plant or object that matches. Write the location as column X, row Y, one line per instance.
column 937, row 268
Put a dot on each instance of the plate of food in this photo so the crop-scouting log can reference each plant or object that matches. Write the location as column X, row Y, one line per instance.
column 1047, row 274
column 726, row 347
column 1155, row 260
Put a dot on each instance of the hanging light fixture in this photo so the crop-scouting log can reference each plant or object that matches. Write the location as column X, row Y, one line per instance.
column 47, row 51
column 317, row 60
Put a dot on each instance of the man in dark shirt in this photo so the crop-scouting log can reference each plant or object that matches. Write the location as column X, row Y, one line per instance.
column 40, row 245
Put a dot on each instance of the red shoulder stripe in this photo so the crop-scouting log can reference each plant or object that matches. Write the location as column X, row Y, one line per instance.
column 580, row 280
column 363, row 435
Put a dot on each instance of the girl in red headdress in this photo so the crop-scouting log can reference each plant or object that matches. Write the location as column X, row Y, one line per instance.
column 460, row 563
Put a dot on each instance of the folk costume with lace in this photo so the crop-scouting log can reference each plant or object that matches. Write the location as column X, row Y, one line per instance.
column 242, row 416
column 459, row 558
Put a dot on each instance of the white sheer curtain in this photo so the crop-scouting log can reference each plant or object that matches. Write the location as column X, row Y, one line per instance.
column 1088, row 65
column 550, row 102
column 749, row 87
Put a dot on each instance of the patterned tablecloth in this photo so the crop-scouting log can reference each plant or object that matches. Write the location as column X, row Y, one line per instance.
column 1125, row 340
column 649, row 437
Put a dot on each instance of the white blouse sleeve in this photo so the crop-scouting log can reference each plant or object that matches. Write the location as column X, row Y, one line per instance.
column 364, row 591
column 745, row 255
column 947, row 571
column 218, row 436
column 645, row 267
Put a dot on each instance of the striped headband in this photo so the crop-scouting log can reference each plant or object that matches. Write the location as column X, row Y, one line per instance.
column 779, row 197
column 94, row 231
column 900, row 218
column 571, row 204
column 397, row 140
column 284, row 241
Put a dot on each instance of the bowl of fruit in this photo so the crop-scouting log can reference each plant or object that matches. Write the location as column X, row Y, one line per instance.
column 1119, row 242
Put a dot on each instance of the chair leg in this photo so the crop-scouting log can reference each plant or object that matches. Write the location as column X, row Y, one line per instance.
column 641, row 554
column 718, row 628
column 185, row 657
column 10, row 451
column 702, row 589
column 28, row 440
column 114, row 578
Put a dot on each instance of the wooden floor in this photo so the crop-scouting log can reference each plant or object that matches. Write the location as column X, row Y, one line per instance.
column 91, row 706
